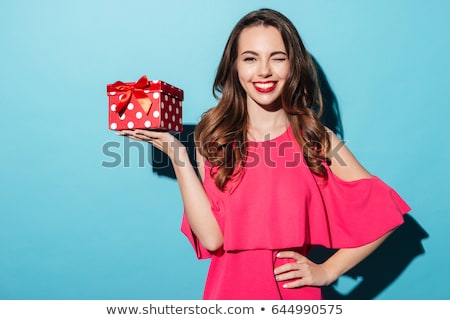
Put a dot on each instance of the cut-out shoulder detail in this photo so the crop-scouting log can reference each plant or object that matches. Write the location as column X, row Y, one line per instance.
column 343, row 163
column 339, row 179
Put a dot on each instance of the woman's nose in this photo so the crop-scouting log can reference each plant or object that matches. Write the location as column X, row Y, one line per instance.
column 264, row 69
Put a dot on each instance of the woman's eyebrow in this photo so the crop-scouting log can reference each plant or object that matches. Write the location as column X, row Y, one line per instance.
column 256, row 54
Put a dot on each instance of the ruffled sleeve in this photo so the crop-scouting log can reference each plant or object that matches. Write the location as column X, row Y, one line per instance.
column 355, row 212
column 200, row 251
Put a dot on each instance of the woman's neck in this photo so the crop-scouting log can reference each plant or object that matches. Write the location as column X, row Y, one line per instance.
column 264, row 125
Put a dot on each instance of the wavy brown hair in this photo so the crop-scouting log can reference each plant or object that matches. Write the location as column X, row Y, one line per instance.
column 221, row 134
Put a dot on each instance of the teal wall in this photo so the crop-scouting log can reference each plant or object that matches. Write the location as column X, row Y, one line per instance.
column 73, row 228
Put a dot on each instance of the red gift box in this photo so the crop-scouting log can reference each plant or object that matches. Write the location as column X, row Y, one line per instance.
column 144, row 104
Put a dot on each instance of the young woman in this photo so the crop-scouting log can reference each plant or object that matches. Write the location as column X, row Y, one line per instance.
column 273, row 180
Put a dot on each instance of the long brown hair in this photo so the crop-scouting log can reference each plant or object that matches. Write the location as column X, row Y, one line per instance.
column 221, row 134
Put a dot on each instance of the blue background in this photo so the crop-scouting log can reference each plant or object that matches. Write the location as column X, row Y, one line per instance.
column 72, row 228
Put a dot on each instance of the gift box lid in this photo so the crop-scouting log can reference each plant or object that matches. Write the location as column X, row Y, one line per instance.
column 150, row 86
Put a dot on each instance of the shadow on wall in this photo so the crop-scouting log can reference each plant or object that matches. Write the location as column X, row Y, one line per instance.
column 373, row 275
column 161, row 164
column 369, row 278
column 331, row 116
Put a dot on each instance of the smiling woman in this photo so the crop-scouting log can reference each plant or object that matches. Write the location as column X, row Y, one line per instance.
column 262, row 66
column 256, row 211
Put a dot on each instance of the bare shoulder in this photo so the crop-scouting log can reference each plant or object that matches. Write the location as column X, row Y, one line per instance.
column 200, row 164
column 343, row 163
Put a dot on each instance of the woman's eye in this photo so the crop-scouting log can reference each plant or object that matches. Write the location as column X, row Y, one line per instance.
column 280, row 59
column 249, row 59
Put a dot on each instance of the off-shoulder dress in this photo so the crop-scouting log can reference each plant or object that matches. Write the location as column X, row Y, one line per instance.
column 278, row 204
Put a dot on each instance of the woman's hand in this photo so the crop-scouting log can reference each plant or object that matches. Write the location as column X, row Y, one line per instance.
column 303, row 272
column 162, row 140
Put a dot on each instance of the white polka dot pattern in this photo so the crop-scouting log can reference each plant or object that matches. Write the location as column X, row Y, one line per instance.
column 165, row 112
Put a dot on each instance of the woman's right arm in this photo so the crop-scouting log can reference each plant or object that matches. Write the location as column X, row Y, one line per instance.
column 196, row 203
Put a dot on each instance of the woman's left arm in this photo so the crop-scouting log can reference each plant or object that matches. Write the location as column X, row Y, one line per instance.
column 304, row 272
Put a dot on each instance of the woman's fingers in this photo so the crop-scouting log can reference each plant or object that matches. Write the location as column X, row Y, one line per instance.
column 295, row 284
column 139, row 133
column 288, row 275
column 303, row 271
column 146, row 135
column 162, row 140
column 291, row 254
column 288, row 266
column 151, row 133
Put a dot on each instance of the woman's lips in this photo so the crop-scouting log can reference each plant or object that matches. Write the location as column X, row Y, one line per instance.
column 265, row 87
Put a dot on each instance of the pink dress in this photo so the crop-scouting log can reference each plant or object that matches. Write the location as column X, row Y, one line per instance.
column 279, row 204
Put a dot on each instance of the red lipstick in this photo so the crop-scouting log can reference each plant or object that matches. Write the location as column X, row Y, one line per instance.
column 265, row 87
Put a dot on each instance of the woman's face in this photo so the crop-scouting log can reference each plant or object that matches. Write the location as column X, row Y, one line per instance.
column 262, row 65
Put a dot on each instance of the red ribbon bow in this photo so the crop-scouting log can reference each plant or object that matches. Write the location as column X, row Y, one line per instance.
column 128, row 90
